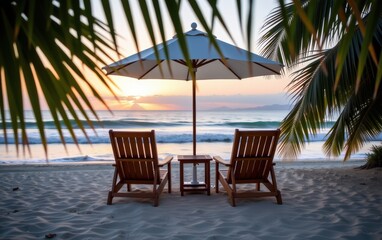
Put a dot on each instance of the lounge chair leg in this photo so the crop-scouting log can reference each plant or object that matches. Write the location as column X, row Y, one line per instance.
column 217, row 182
column 109, row 198
column 217, row 177
column 128, row 187
column 156, row 201
column 233, row 202
column 169, row 177
column 278, row 198
column 258, row 187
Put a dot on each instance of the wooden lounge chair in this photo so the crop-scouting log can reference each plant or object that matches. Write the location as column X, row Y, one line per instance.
column 136, row 162
column 251, row 162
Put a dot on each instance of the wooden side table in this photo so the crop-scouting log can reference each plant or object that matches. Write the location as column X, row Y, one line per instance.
column 192, row 186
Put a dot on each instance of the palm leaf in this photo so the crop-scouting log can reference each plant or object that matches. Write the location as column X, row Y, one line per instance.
column 26, row 42
column 317, row 100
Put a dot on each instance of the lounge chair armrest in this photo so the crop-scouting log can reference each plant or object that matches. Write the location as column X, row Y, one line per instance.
column 165, row 161
column 220, row 160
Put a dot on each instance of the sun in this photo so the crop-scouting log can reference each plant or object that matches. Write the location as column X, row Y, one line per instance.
column 130, row 87
column 135, row 88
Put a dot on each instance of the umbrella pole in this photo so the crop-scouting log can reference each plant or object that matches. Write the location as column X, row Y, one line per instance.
column 194, row 114
column 194, row 169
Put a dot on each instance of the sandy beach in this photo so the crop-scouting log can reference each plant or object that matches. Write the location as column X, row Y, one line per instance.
column 321, row 201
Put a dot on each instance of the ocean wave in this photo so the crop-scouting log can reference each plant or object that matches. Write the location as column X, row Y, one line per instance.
column 115, row 124
column 141, row 123
column 104, row 138
column 160, row 138
column 258, row 124
column 84, row 158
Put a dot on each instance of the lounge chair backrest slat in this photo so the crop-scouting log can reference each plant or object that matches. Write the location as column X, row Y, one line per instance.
column 253, row 153
column 135, row 154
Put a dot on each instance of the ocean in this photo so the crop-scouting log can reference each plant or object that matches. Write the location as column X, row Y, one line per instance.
column 173, row 129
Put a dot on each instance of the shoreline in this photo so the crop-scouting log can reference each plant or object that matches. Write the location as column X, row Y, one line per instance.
column 86, row 153
column 303, row 163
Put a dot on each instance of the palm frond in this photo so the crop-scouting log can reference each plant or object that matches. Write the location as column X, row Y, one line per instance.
column 285, row 35
column 44, row 48
column 319, row 96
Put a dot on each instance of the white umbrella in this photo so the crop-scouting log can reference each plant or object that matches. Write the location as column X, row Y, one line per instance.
column 207, row 63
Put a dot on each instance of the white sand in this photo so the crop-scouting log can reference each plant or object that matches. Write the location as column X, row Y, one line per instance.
column 321, row 201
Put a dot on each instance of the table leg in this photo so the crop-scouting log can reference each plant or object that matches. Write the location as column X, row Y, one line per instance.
column 181, row 178
column 207, row 177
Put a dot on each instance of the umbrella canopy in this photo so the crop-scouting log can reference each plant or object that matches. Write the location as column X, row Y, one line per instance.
column 207, row 63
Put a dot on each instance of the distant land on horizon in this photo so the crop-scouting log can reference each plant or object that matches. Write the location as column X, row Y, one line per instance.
column 265, row 107
column 273, row 107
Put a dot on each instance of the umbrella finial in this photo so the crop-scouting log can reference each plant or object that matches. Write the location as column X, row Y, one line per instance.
column 194, row 25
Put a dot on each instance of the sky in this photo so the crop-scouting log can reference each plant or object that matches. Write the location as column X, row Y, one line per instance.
column 176, row 95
